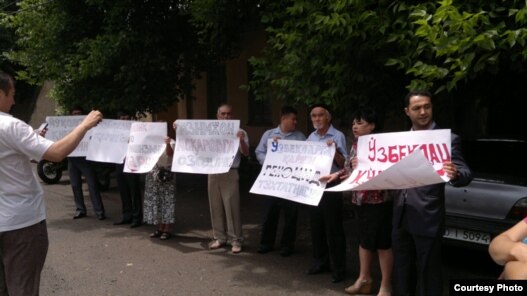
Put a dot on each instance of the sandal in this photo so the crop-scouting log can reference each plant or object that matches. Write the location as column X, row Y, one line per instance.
column 156, row 233
column 165, row 236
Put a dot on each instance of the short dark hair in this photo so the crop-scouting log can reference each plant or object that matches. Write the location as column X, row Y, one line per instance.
column 286, row 110
column 366, row 113
column 6, row 82
column 420, row 92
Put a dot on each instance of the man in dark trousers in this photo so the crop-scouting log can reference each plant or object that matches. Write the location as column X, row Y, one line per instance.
column 419, row 213
column 327, row 228
column 285, row 130
column 130, row 190
column 78, row 166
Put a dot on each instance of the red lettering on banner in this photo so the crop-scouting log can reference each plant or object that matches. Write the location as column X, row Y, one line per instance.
column 368, row 174
column 412, row 149
column 383, row 157
column 446, row 157
column 402, row 151
column 360, row 174
column 432, row 152
column 372, row 173
column 425, row 151
column 435, row 153
column 393, row 154
column 372, row 149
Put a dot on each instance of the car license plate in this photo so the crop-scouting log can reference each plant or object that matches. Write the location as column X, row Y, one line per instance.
column 467, row 235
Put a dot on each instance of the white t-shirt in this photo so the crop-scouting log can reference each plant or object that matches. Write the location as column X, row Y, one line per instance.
column 21, row 196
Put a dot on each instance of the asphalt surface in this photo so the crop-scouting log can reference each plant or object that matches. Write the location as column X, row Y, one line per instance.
column 92, row 257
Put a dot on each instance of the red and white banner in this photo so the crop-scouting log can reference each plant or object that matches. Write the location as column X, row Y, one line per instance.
column 399, row 160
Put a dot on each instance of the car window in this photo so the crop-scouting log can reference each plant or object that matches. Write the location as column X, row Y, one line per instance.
column 497, row 159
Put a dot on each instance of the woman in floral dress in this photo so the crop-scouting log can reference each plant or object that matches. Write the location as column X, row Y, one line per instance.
column 160, row 195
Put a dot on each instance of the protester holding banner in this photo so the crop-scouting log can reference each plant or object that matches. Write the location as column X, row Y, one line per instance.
column 160, row 195
column 78, row 166
column 373, row 209
column 23, row 231
column 224, row 195
column 129, row 185
column 285, row 130
column 327, row 230
column 419, row 213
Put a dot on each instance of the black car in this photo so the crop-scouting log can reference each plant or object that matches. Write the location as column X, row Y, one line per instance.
column 497, row 197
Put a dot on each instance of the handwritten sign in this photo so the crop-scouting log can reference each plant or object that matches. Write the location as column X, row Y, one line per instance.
column 146, row 145
column 109, row 141
column 292, row 168
column 205, row 146
column 60, row 126
column 377, row 153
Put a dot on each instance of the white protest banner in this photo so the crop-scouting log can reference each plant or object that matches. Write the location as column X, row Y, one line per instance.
column 413, row 171
column 378, row 152
column 60, row 126
column 109, row 141
column 205, row 146
column 292, row 168
column 147, row 144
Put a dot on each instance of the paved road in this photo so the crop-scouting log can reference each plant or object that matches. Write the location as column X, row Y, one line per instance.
column 91, row 257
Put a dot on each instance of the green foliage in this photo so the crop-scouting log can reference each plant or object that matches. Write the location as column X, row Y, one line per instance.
column 327, row 52
column 352, row 52
column 137, row 55
column 25, row 92
column 458, row 41
column 144, row 55
column 7, row 37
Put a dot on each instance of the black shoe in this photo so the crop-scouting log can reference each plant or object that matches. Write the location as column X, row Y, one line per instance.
column 316, row 269
column 79, row 215
column 101, row 217
column 264, row 249
column 286, row 252
column 135, row 224
column 122, row 222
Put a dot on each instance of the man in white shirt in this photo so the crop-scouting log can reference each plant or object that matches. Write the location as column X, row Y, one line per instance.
column 224, row 195
column 23, row 231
